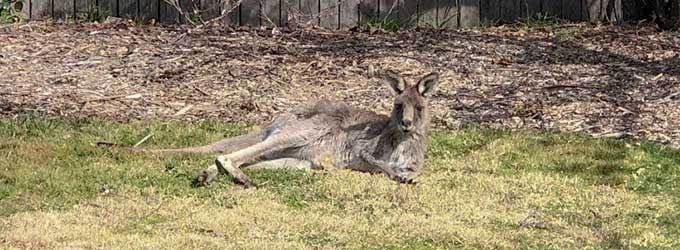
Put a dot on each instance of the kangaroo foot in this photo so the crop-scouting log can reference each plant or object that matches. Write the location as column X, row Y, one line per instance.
column 227, row 165
column 405, row 178
column 206, row 176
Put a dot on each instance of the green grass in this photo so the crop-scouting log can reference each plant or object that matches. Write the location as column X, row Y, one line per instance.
column 386, row 24
column 92, row 15
column 541, row 21
column 57, row 190
column 8, row 14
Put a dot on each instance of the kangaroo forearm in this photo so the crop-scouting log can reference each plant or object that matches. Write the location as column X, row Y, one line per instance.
column 382, row 165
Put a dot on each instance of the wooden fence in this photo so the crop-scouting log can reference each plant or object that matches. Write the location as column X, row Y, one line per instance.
column 340, row 13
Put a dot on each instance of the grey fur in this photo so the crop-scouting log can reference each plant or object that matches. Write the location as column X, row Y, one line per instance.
column 333, row 134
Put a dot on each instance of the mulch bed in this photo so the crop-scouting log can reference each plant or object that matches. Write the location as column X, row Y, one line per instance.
column 601, row 80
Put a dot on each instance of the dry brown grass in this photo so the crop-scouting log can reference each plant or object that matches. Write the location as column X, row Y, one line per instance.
column 483, row 212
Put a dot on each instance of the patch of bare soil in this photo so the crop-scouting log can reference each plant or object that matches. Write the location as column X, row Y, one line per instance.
column 604, row 81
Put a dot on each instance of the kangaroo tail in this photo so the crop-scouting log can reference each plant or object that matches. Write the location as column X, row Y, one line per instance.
column 224, row 146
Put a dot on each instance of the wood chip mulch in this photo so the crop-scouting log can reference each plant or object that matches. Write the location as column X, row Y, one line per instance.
column 600, row 80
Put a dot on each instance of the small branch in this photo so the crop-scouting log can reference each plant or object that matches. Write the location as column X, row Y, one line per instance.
column 143, row 140
column 152, row 211
column 199, row 90
column 224, row 13
column 108, row 98
column 388, row 14
column 105, row 144
column 325, row 11
column 673, row 95
column 563, row 86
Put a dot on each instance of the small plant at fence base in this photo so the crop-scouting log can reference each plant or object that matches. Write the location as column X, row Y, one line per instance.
column 387, row 24
column 541, row 21
column 10, row 11
column 92, row 15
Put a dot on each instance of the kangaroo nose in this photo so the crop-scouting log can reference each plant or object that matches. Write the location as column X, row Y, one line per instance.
column 406, row 123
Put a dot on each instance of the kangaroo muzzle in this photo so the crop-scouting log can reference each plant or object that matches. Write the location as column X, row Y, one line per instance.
column 407, row 119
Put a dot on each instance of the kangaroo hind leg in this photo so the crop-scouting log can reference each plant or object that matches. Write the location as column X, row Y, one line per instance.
column 282, row 163
column 232, row 162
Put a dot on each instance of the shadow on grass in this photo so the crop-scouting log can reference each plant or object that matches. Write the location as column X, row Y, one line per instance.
column 643, row 167
column 295, row 188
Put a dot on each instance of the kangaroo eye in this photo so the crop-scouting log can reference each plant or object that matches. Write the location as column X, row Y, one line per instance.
column 419, row 108
column 399, row 106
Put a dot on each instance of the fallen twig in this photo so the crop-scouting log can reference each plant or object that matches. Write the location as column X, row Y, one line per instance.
column 143, row 140
column 673, row 95
column 108, row 98
column 200, row 90
column 565, row 86
column 224, row 13
column 105, row 144
column 184, row 110
column 153, row 211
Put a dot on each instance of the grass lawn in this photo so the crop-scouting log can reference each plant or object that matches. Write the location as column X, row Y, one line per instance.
column 482, row 189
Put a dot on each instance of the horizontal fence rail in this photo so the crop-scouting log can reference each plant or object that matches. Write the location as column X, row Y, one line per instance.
column 336, row 13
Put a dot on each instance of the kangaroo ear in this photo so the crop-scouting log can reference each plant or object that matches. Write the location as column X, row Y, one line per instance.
column 428, row 84
column 395, row 81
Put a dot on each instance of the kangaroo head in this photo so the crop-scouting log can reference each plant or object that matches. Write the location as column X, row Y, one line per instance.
column 410, row 112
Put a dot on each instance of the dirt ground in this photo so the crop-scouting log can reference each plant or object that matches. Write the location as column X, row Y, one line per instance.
column 604, row 81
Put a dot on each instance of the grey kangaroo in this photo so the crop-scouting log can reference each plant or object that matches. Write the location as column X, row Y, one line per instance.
column 332, row 134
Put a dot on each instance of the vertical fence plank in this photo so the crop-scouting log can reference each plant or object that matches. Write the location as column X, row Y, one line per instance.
column 490, row 11
column 530, row 8
column 250, row 13
column 63, row 9
column 286, row 7
column 148, row 10
column 618, row 8
column 510, row 10
column 604, row 15
column 611, row 10
column 632, row 10
column 310, row 11
column 210, row 9
column 107, row 8
column 328, row 14
column 189, row 9
column 349, row 13
column 83, row 8
column 127, row 9
column 447, row 14
column 232, row 14
column 469, row 13
column 408, row 13
column 553, row 7
column 271, row 15
column 427, row 14
column 594, row 10
column 368, row 10
column 167, row 13
column 388, row 9
column 41, row 9
column 26, row 8
column 585, row 10
column 571, row 9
